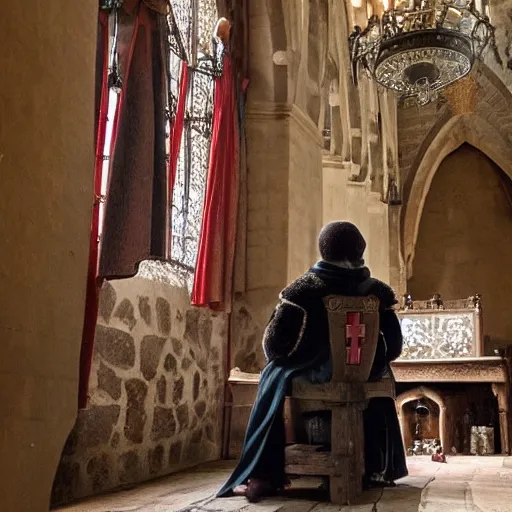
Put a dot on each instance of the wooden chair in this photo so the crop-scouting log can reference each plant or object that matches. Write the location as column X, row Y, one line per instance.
column 353, row 333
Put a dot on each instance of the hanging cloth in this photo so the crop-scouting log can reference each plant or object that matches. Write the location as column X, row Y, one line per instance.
column 213, row 280
column 135, row 225
column 93, row 284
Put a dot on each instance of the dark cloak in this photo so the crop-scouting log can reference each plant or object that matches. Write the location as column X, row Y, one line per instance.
column 296, row 344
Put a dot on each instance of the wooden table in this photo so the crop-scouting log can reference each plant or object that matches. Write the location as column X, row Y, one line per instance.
column 492, row 370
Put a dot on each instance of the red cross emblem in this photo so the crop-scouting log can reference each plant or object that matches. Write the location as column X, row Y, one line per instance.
column 355, row 338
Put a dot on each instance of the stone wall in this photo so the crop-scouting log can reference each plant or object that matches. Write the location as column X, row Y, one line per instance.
column 414, row 125
column 305, row 197
column 353, row 201
column 156, row 388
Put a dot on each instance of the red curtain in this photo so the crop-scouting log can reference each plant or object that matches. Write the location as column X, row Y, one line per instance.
column 177, row 126
column 213, row 281
column 93, row 284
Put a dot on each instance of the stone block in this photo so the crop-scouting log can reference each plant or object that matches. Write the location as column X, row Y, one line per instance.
column 183, row 416
column 161, row 390
column 177, row 392
column 177, row 346
column 164, row 424
column 95, row 425
column 109, row 382
column 196, row 386
column 107, row 302
column 115, row 346
column 170, row 363
column 163, row 315
column 126, row 313
column 129, row 470
column 198, row 333
column 150, row 354
column 200, row 408
column 186, row 364
column 137, row 391
column 192, row 325
column 145, row 309
column 98, row 469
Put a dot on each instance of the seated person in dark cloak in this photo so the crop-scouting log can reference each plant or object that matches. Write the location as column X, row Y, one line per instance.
column 296, row 344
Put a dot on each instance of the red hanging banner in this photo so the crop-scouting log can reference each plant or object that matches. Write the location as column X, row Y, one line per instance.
column 178, row 124
column 213, row 280
column 92, row 289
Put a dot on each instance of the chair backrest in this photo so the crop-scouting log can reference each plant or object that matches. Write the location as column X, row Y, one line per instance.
column 353, row 335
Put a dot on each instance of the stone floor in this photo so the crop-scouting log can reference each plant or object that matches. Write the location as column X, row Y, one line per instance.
column 475, row 484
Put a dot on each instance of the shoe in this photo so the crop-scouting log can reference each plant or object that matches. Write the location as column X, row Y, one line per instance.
column 258, row 489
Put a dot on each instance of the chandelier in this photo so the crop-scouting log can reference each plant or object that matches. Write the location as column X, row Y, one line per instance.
column 419, row 47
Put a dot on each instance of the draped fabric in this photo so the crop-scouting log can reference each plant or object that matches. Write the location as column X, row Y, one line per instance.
column 178, row 125
column 93, row 284
column 384, row 450
column 263, row 450
column 213, row 280
column 135, row 219
column 135, row 224
column 161, row 6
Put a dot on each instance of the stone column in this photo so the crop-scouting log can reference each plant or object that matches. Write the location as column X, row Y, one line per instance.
column 46, row 177
column 284, row 177
column 377, row 252
column 397, row 271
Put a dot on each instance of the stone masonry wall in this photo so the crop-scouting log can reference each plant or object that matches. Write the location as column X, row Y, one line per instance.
column 156, row 389
column 353, row 201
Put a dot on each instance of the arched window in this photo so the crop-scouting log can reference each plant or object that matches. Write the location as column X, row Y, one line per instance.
column 192, row 24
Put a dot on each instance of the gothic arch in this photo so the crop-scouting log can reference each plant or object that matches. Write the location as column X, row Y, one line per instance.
column 488, row 128
column 468, row 128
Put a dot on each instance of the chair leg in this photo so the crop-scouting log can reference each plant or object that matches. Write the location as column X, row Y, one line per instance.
column 348, row 449
column 338, row 490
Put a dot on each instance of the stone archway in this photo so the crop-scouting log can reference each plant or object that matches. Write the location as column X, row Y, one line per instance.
column 416, row 394
column 469, row 128
column 426, row 138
